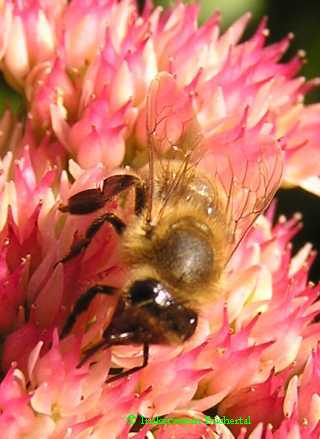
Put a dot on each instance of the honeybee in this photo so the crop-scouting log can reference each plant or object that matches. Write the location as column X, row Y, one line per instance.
column 187, row 224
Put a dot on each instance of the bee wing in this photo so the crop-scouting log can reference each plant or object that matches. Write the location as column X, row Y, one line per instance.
column 246, row 165
column 247, row 171
column 173, row 134
column 171, row 124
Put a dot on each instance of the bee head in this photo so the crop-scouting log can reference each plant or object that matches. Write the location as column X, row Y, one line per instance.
column 158, row 317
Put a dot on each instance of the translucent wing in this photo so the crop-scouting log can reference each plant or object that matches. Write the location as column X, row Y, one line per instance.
column 245, row 163
column 173, row 134
column 247, row 170
column 171, row 124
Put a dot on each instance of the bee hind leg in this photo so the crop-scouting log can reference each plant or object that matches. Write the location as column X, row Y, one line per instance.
column 83, row 303
column 82, row 244
column 90, row 200
column 122, row 182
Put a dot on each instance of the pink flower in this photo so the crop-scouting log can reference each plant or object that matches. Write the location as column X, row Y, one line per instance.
column 303, row 148
column 86, row 76
column 29, row 38
column 86, row 69
column 270, row 307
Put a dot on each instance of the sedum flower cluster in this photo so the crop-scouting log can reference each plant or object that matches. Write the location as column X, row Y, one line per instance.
column 84, row 69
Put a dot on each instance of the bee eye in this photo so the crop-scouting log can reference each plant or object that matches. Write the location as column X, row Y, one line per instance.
column 142, row 290
column 157, row 315
column 149, row 290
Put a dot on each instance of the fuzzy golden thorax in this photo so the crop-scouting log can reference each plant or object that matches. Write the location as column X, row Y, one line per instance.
column 184, row 246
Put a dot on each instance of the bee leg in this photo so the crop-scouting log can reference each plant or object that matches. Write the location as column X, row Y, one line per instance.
column 82, row 244
column 82, row 305
column 90, row 352
column 122, row 182
column 123, row 337
column 134, row 369
column 111, row 218
column 93, row 199
column 90, row 200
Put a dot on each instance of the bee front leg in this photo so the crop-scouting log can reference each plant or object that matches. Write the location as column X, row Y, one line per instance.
column 134, row 369
column 83, row 303
column 117, row 339
column 90, row 352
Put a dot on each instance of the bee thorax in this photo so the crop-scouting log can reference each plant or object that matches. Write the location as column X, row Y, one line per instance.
column 186, row 256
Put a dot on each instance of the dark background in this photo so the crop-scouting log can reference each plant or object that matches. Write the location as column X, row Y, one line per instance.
column 303, row 19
